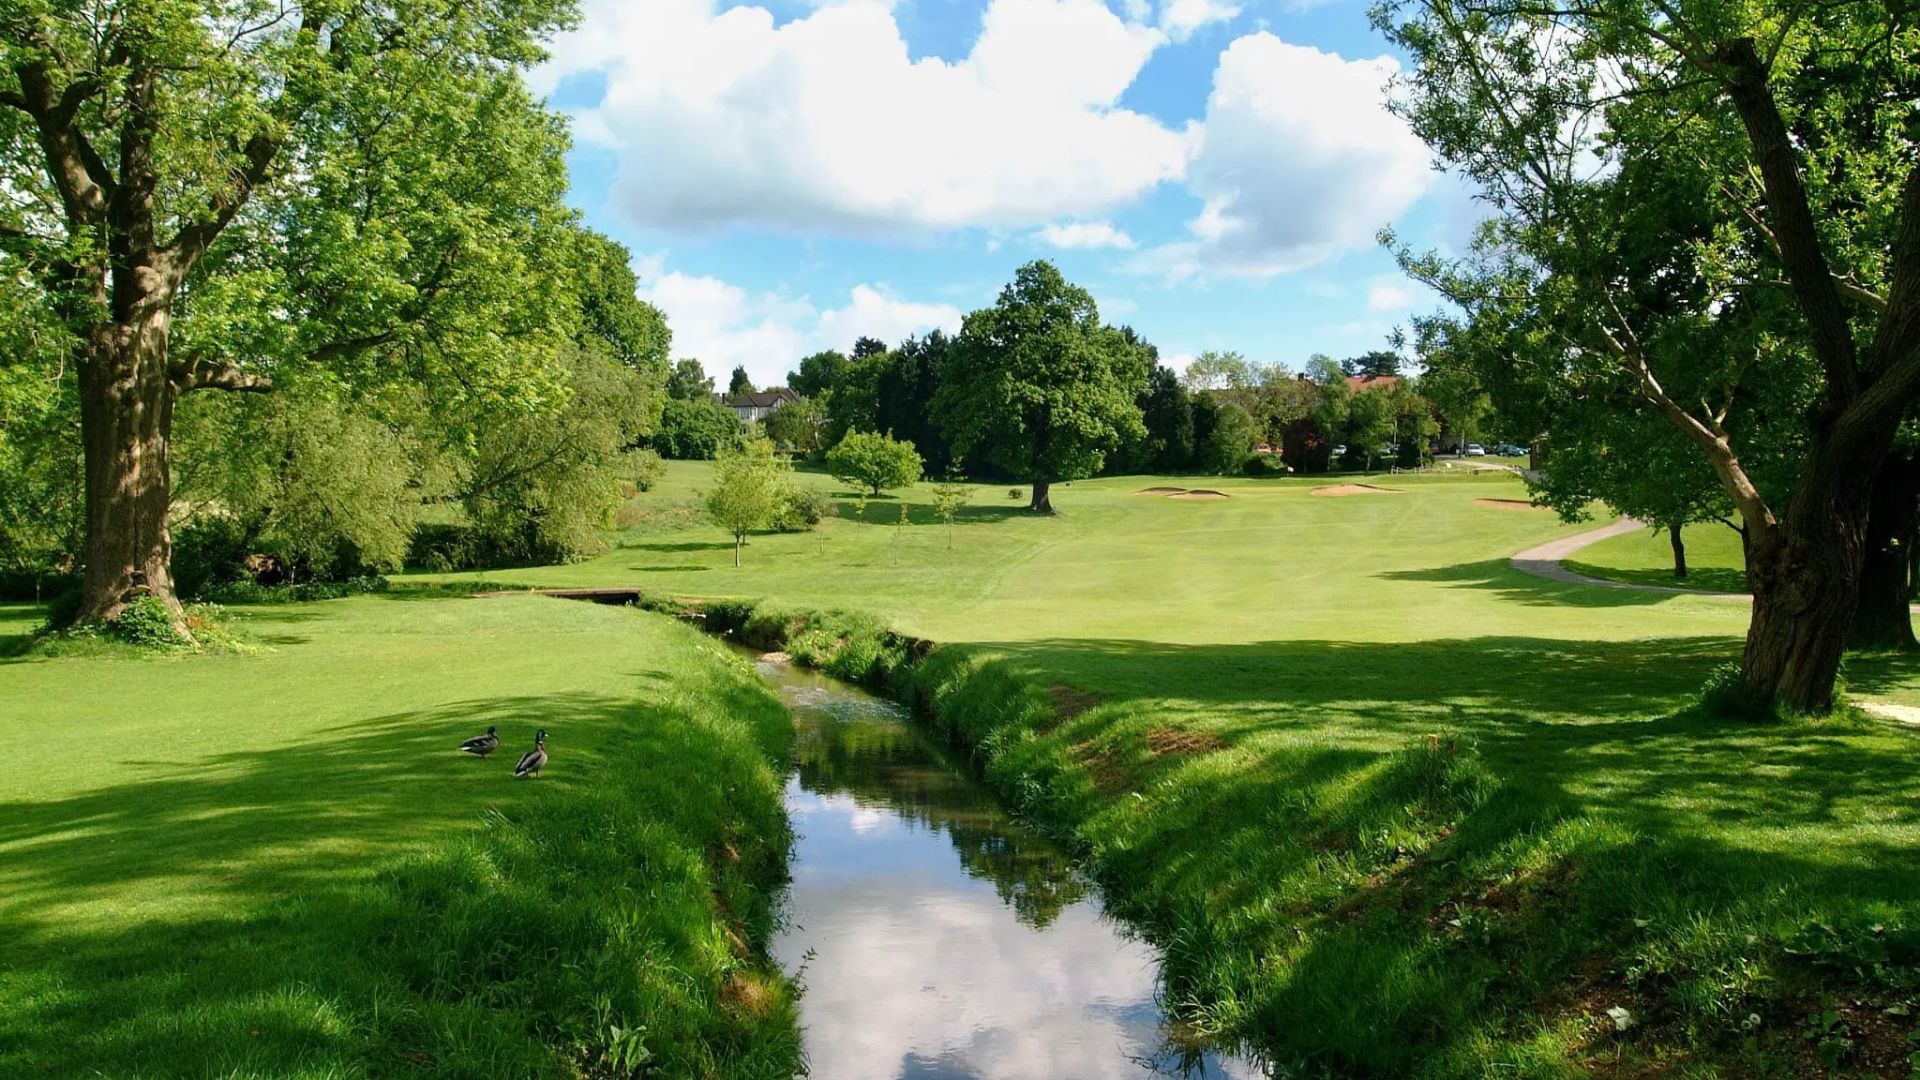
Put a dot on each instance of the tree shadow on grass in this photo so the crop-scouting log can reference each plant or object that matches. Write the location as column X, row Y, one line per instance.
column 1313, row 874
column 1499, row 576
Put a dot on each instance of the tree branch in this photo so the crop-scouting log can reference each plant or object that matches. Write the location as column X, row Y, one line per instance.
column 1794, row 231
column 201, row 374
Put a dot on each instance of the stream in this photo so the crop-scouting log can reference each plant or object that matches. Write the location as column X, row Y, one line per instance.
column 938, row 939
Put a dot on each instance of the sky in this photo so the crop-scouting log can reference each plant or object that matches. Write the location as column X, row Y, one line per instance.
column 793, row 174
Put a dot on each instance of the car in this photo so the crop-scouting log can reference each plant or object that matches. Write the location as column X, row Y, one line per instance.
column 1476, row 450
column 1340, row 451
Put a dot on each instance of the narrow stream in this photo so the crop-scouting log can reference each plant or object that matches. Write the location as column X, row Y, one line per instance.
column 936, row 938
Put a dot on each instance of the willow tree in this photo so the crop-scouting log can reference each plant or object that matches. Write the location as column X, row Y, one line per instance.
column 1789, row 128
column 212, row 194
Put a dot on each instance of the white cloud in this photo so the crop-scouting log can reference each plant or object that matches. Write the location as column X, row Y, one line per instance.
column 722, row 325
column 1085, row 235
column 1180, row 18
column 1298, row 159
column 1388, row 296
column 721, row 117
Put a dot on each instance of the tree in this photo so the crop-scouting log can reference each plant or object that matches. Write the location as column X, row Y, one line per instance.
column 207, row 199
column 949, row 497
column 866, row 346
column 695, row 430
column 689, row 382
column 817, row 374
column 1229, row 442
column 1037, row 385
column 633, row 329
column 749, row 486
column 1765, row 131
column 797, row 426
column 1376, row 364
column 1369, row 425
column 874, row 462
column 1166, row 412
column 739, row 383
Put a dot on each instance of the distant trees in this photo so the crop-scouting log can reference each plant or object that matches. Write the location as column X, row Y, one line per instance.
column 873, row 461
column 689, row 382
column 817, row 373
column 695, row 430
column 797, row 426
column 750, row 488
column 738, row 383
column 1038, row 385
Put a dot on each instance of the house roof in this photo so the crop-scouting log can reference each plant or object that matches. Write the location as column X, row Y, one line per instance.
column 1372, row 382
column 762, row 399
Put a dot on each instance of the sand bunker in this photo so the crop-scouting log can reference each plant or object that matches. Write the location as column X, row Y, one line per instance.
column 1507, row 504
column 1159, row 491
column 1338, row 490
column 1198, row 493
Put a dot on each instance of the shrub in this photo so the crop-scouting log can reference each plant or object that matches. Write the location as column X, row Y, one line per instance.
column 252, row 592
column 694, row 430
column 801, row 509
column 208, row 550
column 148, row 622
column 1727, row 696
column 1016, row 493
column 644, row 468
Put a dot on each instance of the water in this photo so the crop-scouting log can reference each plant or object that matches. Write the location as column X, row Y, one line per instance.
column 936, row 938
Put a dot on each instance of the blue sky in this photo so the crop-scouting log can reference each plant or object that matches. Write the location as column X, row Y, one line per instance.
column 793, row 174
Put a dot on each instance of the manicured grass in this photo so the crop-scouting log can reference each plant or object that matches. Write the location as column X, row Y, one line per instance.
column 1390, row 807
column 275, row 864
column 1714, row 559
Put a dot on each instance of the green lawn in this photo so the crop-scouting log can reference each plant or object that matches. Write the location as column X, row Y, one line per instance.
column 275, row 864
column 1714, row 559
column 1254, row 781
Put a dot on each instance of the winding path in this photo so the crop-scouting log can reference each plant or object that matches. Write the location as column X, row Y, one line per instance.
column 1548, row 561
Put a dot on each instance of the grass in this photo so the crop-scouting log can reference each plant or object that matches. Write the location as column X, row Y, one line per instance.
column 275, row 865
column 1714, row 559
column 1390, row 807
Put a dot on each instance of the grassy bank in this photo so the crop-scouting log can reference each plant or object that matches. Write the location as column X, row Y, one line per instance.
column 1714, row 559
column 275, row 864
column 1389, row 807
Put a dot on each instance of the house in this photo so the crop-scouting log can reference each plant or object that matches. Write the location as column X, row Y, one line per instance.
column 755, row 407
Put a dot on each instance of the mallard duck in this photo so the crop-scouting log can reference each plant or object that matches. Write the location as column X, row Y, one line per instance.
column 535, row 759
column 482, row 745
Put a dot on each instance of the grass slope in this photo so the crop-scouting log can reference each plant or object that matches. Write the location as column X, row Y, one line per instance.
column 1391, row 807
column 275, row 865
column 1714, row 559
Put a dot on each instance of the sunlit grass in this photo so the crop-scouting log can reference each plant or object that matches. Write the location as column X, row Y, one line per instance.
column 1714, row 559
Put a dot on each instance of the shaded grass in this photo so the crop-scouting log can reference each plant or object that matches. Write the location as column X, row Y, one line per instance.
column 276, row 865
column 1714, row 559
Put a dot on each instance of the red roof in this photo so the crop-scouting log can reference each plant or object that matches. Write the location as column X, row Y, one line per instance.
column 1372, row 382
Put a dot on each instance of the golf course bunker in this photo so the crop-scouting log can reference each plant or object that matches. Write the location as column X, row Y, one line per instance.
column 1160, row 491
column 1198, row 493
column 1342, row 490
column 1508, row 504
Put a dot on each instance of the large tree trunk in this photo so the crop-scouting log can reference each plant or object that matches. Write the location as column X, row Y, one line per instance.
column 126, row 419
column 1805, row 575
column 1042, row 503
column 1679, row 553
column 1883, row 619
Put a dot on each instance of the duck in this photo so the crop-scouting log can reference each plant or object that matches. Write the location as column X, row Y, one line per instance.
column 535, row 759
column 482, row 745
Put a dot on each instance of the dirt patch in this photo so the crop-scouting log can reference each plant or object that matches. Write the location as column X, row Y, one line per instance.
column 748, row 994
column 1340, row 490
column 1159, row 491
column 1105, row 765
column 1168, row 741
column 1069, row 702
column 1198, row 493
column 1508, row 504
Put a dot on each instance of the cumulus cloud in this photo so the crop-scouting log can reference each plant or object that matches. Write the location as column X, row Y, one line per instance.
column 723, row 325
column 727, row 116
column 1388, row 296
column 1083, row 235
column 1180, row 18
column 1298, row 159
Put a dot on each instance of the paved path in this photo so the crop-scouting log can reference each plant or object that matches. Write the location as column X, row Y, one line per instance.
column 1547, row 561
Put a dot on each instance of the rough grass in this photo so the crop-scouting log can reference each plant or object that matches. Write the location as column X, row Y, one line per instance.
column 1458, row 813
column 275, row 864
column 1714, row 559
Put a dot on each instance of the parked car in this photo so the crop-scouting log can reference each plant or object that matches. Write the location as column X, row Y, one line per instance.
column 1476, row 450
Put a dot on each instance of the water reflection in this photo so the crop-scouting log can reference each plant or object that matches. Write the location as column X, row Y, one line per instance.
column 938, row 940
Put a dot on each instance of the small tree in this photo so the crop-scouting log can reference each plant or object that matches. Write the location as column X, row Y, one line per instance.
column 873, row 461
column 797, row 426
column 949, row 496
column 739, row 383
column 750, row 481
